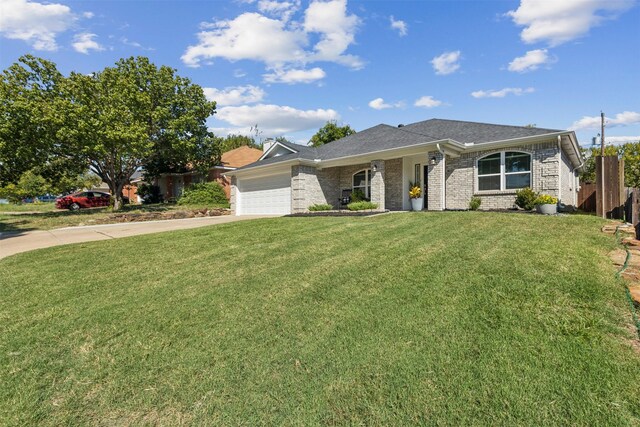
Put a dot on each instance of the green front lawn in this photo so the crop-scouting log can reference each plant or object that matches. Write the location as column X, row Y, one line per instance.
column 455, row 318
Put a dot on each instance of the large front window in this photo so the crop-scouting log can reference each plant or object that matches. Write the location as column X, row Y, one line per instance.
column 362, row 182
column 508, row 170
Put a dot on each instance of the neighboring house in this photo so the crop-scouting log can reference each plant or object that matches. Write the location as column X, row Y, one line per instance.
column 172, row 185
column 129, row 191
column 454, row 161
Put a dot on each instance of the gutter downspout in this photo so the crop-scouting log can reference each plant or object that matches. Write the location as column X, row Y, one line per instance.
column 444, row 175
column 560, row 168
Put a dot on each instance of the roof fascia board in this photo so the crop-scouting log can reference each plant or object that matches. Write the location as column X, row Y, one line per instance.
column 249, row 171
column 394, row 152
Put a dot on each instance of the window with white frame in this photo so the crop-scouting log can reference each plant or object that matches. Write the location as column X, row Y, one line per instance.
column 507, row 170
column 362, row 182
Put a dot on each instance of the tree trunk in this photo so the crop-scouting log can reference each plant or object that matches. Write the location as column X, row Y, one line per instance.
column 117, row 197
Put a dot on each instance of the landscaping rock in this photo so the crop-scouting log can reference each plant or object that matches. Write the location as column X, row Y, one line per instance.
column 635, row 294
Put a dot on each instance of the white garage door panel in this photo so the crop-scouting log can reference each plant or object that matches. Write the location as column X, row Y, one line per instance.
column 266, row 195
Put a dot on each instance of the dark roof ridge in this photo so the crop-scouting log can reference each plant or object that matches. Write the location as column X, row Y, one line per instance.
column 485, row 123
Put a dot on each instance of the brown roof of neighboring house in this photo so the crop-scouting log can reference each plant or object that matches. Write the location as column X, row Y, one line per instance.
column 240, row 156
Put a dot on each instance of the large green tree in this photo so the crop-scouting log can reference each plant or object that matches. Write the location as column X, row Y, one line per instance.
column 126, row 117
column 629, row 152
column 136, row 115
column 330, row 132
column 29, row 121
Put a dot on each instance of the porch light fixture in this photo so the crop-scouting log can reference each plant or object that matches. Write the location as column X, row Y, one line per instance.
column 433, row 160
column 375, row 167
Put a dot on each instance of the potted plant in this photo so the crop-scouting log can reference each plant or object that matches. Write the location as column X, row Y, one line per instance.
column 415, row 194
column 547, row 205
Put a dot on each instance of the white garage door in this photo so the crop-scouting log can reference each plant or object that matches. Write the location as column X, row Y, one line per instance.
column 266, row 195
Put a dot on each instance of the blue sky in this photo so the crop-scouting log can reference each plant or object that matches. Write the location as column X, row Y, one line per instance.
column 289, row 66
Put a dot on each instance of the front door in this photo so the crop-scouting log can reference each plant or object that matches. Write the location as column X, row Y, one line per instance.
column 425, row 175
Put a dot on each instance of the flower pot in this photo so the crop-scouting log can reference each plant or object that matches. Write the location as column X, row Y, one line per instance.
column 548, row 209
column 417, row 204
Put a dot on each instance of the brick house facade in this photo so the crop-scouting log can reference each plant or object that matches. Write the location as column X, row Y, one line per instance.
column 388, row 158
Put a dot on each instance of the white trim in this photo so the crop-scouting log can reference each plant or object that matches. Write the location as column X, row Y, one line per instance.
column 503, row 173
column 270, row 149
column 560, row 166
column 367, row 181
column 444, row 182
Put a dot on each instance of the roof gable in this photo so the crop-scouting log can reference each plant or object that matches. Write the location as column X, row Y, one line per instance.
column 240, row 156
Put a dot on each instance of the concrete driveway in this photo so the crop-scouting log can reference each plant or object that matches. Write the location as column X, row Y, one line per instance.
column 15, row 242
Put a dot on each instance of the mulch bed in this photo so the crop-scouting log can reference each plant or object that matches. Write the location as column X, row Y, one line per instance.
column 159, row 216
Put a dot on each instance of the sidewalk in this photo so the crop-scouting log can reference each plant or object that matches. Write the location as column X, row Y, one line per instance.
column 15, row 242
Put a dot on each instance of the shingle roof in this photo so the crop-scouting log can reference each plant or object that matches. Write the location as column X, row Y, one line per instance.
column 384, row 137
column 240, row 156
column 472, row 132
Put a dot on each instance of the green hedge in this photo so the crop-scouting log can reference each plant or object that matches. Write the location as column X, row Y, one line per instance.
column 362, row 206
column 205, row 193
column 320, row 207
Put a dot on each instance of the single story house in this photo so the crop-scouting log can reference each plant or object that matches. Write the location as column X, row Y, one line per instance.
column 172, row 185
column 453, row 160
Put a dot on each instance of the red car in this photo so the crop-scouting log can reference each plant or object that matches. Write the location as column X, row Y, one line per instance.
column 83, row 199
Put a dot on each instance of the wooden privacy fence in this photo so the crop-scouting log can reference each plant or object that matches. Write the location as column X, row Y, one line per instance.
column 587, row 197
column 610, row 192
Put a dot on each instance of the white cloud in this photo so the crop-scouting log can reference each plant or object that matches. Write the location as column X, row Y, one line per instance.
column 274, row 120
column 399, row 25
column 295, row 76
column 336, row 29
column 35, row 23
column 88, row 15
column 532, row 60
column 626, row 118
column 427, row 102
column 502, row 92
column 557, row 22
column 618, row 140
column 281, row 9
column 235, row 95
column 379, row 104
column 248, row 36
column 278, row 42
column 446, row 63
column 132, row 43
column 84, row 42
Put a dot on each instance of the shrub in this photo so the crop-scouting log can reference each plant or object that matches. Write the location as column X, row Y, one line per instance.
column 357, row 195
column 545, row 199
column 320, row 207
column 149, row 193
column 205, row 193
column 361, row 206
column 475, row 203
column 526, row 198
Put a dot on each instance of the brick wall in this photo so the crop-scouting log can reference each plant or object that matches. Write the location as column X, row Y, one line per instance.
column 378, row 183
column 461, row 176
column 310, row 186
column 567, row 179
column 393, row 184
column 435, row 176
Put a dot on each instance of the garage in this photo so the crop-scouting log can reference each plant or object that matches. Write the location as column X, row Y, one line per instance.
column 264, row 195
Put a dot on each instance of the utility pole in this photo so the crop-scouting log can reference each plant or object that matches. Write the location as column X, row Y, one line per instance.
column 601, row 133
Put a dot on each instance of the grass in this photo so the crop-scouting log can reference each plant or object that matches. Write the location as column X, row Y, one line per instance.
column 458, row 318
column 27, row 207
column 42, row 217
